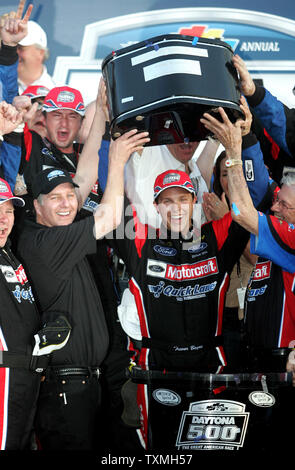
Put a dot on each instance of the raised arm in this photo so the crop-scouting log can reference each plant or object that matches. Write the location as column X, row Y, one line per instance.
column 206, row 159
column 109, row 212
column 230, row 136
column 276, row 118
column 10, row 118
column 15, row 28
column 12, row 30
column 87, row 169
column 10, row 152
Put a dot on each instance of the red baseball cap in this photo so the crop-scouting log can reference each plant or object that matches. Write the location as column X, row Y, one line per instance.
column 7, row 195
column 64, row 97
column 36, row 91
column 171, row 179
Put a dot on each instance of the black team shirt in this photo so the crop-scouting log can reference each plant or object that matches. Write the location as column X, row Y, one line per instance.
column 63, row 282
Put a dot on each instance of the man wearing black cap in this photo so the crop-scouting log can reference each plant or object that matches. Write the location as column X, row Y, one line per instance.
column 19, row 322
column 54, row 249
column 63, row 115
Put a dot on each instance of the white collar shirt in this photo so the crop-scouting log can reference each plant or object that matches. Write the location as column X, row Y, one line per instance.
column 141, row 172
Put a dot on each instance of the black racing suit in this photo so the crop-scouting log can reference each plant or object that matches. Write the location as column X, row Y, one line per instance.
column 179, row 293
column 19, row 386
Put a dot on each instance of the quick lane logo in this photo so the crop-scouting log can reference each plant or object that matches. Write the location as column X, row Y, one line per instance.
column 262, row 271
column 187, row 292
column 183, row 272
column 213, row 425
column 23, row 294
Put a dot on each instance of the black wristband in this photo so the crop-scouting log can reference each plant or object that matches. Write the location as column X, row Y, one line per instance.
column 257, row 97
column 14, row 138
column 8, row 54
column 249, row 140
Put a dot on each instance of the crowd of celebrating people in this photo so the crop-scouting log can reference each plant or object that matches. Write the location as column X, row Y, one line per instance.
column 208, row 244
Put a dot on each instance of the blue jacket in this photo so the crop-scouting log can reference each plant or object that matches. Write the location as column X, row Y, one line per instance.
column 277, row 119
column 10, row 150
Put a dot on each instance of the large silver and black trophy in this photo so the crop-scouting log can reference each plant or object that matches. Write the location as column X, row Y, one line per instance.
column 166, row 83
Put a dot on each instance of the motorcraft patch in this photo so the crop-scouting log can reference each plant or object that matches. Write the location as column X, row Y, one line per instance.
column 262, row 271
column 183, row 272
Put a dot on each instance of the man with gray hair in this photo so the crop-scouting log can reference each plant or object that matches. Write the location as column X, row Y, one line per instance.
column 270, row 299
column 33, row 52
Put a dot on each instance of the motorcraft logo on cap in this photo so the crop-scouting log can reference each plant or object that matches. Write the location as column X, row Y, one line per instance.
column 55, row 174
column 66, row 97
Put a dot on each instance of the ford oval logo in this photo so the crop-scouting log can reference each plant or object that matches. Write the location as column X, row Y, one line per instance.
column 197, row 249
column 156, row 269
column 164, row 250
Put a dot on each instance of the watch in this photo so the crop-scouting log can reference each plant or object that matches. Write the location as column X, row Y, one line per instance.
column 230, row 162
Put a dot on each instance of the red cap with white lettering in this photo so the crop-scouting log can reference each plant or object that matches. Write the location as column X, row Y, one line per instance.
column 171, row 179
column 64, row 97
column 36, row 91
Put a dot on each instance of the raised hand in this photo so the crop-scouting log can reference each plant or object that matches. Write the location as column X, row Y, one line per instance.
column 246, row 82
column 124, row 146
column 214, row 208
column 10, row 118
column 246, row 125
column 228, row 134
column 101, row 100
column 14, row 27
